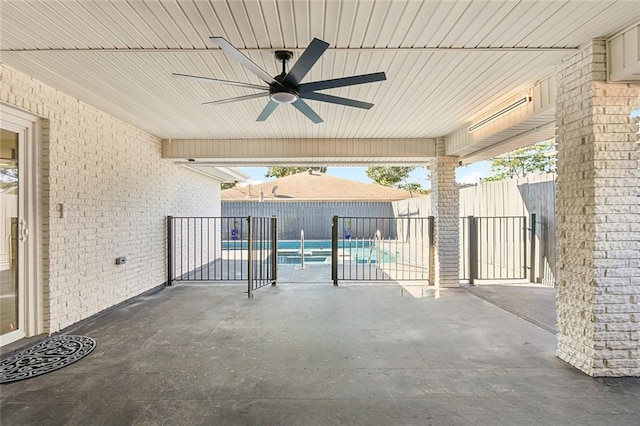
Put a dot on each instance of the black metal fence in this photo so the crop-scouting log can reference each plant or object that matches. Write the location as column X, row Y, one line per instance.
column 222, row 249
column 381, row 249
column 262, row 241
column 495, row 248
column 245, row 249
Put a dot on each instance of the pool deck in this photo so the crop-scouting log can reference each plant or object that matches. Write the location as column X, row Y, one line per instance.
column 309, row 353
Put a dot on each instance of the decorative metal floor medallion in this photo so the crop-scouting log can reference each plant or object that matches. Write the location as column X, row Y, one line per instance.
column 54, row 353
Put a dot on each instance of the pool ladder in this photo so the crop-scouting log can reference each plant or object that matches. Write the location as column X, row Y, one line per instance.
column 302, row 249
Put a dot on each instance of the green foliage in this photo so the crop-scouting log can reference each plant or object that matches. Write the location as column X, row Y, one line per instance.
column 414, row 187
column 537, row 158
column 389, row 176
column 278, row 172
column 227, row 185
column 395, row 177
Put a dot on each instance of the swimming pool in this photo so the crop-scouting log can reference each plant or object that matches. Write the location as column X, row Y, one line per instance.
column 319, row 251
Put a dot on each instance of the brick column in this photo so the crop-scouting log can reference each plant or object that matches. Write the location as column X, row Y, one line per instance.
column 444, row 207
column 598, row 219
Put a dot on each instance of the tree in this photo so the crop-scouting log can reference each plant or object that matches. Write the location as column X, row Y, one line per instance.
column 537, row 158
column 227, row 185
column 278, row 172
column 395, row 177
column 389, row 176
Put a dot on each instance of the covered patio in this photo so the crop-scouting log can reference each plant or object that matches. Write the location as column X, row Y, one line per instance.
column 301, row 354
column 113, row 143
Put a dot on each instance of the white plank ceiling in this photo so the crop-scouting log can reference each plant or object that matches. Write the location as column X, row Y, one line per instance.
column 446, row 61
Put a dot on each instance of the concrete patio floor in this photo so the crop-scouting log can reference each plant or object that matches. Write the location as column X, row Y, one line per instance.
column 314, row 354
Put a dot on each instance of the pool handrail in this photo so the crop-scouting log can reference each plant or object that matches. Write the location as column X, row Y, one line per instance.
column 302, row 249
column 378, row 237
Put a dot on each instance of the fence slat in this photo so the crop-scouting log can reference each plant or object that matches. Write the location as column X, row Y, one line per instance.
column 381, row 248
column 222, row 249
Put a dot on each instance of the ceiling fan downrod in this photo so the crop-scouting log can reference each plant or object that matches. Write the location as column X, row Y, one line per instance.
column 281, row 93
column 284, row 56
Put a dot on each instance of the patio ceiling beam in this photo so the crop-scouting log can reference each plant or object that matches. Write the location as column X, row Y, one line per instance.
column 266, row 152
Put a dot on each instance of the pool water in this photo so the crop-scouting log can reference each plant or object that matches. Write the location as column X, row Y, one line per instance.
column 287, row 257
column 295, row 244
column 319, row 251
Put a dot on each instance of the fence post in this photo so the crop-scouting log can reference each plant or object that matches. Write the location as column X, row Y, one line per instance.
column 274, row 249
column 532, row 278
column 432, row 251
column 473, row 249
column 169, row 250
column 249, row 260
column 334, row 250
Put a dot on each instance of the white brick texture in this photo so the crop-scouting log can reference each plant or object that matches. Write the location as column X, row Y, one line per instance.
column 116, row 191
column 444, row 208
column 598, row 219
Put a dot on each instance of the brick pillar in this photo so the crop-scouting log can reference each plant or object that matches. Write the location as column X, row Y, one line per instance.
column 444, row 207
column 598, row 219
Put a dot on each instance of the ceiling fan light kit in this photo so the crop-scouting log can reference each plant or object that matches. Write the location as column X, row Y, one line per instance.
column 284, row 97
column 286, row 88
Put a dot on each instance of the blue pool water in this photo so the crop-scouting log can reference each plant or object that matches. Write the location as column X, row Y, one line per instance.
column 295, row 244
column 317, row 251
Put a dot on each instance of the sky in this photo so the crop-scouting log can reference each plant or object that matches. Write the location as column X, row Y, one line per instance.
column 466, row 174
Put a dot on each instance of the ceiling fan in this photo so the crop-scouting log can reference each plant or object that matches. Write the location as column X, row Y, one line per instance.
column 286, row 88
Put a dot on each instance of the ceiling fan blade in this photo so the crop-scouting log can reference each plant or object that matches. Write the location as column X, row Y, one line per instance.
column 307, row 111
column 336, row 100
column 342, row 82
column 239, row 98
column 268, row 109
column 230, row 50
column 304, row 63
column 215, row 80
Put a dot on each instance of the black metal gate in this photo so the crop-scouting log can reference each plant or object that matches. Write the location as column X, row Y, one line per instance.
column 222, row 249
column 382, row 249
column 495, row 248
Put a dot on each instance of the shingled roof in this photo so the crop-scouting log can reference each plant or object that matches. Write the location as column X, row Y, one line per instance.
column 314, row 186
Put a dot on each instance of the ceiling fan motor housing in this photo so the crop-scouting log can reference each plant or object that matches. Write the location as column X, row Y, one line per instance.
column 280, row 93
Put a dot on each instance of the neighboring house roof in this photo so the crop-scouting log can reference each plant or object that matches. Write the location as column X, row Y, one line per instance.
column 314, row 186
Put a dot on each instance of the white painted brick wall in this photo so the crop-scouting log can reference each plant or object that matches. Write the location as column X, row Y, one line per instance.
column 117, row 192
column 598, row 219
column 445, row 209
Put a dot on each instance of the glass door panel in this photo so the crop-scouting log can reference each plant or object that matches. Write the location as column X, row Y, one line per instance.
column 10, row 315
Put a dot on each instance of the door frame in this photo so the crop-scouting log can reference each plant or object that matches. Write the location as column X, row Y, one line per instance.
column 30, row 299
